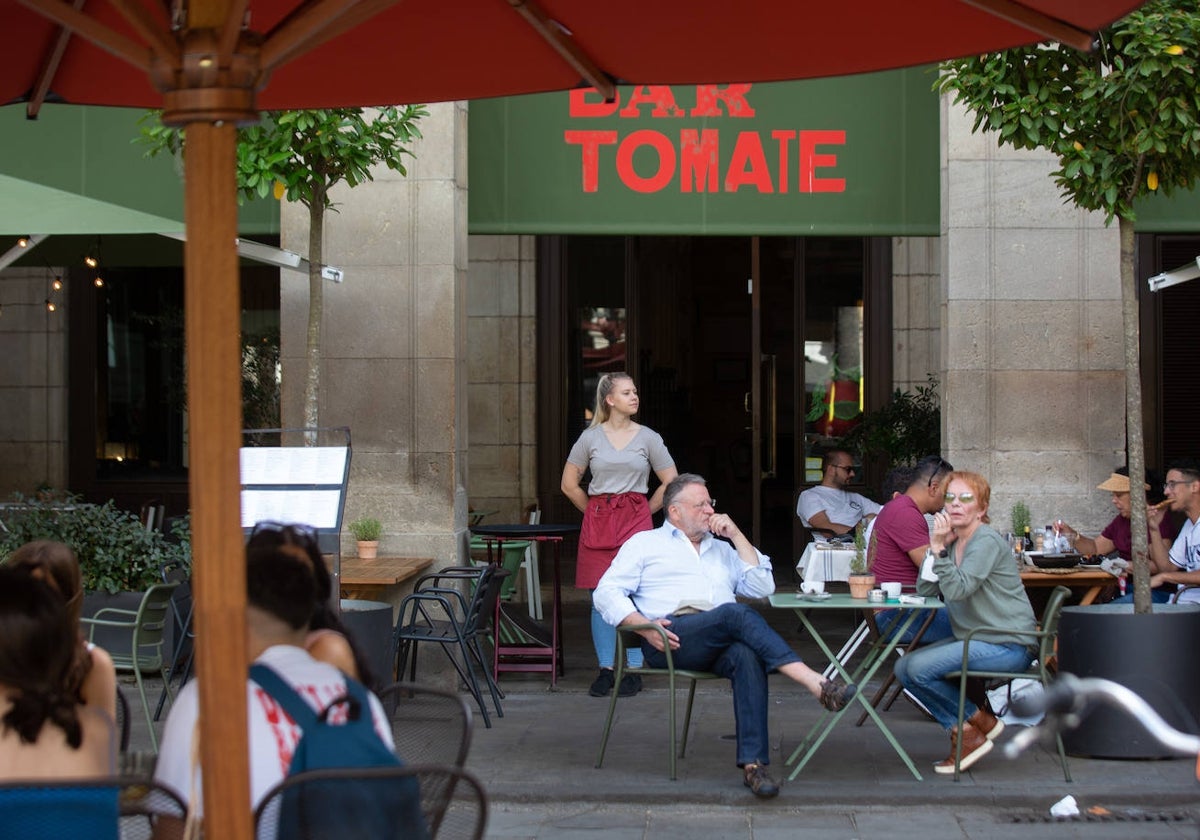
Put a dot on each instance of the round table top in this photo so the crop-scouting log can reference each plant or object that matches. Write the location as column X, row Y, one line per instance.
column 520, row 531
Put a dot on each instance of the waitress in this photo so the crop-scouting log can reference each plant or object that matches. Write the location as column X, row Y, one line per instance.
column 620, row 453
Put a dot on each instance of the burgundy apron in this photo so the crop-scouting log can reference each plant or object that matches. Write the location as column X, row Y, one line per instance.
column 608, row 521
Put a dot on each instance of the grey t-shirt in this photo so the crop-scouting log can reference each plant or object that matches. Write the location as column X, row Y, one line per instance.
column 620, row 470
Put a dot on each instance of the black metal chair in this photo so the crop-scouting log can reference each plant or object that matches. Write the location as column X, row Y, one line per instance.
column 429, row 725
column 453, row 804
column 182, row 608
column 438, row 611
column 96, row 809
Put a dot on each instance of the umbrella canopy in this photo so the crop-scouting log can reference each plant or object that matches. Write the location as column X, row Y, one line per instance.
column 210, row 64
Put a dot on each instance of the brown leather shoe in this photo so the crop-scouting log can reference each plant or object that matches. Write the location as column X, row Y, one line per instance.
column 975, row 746
column 759, row 782
column 987, row 723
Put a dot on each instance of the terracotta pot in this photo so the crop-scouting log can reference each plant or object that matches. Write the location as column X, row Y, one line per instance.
column 860, row 585
column 368, row 550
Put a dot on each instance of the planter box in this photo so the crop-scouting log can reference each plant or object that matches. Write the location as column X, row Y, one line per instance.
column 1150, row 654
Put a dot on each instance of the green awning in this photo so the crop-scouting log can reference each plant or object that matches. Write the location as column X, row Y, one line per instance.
column 846, row 156
column 77, row 170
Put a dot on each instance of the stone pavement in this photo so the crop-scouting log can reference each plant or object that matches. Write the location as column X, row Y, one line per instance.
column 537, row 763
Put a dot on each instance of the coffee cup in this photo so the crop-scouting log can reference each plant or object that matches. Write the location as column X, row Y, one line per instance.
column 891, row 590
column 812, row 587
column 875, row 596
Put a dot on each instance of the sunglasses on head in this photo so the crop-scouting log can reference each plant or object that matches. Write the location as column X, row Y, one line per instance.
column 296, row 530
column 965, row 498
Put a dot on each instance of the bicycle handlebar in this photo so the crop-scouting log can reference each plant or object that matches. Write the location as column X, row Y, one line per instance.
column 1067, row 701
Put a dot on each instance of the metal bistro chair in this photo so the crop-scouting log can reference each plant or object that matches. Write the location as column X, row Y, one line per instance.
column 1039, row 670
column 429, row 725
column 672, row 674
column 88, row 809
column 182, row 609
column 452, row 802
column 145, row 652
column 438, row 611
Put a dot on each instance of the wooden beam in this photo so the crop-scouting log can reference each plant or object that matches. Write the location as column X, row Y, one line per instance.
column 75, row 21
column 313, row 24
column 45, row 76
column 557, row 36
column 1035, row 21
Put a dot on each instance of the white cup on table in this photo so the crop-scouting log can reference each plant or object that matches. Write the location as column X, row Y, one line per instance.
column 891, row 590
column 812, row 587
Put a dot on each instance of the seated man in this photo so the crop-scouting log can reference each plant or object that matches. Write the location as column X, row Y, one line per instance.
column 1183, row 491
column 901, row 537
column 281, row 594
column 681, row 578
column 829, row 509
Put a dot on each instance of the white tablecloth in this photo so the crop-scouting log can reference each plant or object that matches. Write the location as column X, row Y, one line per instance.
column 821, row 562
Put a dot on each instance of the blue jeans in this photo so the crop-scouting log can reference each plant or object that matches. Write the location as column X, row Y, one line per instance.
column 604, row 639
column 938, row 629
column 1158, row 595
column 923, row 673
column 734, row 641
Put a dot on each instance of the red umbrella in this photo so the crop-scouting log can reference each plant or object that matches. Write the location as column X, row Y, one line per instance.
column 210, row 64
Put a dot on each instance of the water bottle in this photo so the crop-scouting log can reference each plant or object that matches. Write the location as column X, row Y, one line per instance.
column 1049, row 543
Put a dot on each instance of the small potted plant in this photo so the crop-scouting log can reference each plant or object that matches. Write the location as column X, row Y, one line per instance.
column 861, row 580
column 366, row 531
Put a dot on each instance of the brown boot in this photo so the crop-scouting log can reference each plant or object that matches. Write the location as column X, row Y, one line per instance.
column 975, row 746
column 987, row 723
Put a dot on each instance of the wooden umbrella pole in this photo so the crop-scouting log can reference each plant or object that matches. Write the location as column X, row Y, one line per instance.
column 213, row 315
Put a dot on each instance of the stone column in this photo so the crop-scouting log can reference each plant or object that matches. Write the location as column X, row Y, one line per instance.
column 1031, row 332
column 394, row 340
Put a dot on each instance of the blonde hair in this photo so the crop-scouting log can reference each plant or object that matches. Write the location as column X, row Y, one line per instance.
column 603, row 388
column 979, row 486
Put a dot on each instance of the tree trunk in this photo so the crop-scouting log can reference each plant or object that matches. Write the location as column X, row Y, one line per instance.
column 316, row 307
column 1134, row 444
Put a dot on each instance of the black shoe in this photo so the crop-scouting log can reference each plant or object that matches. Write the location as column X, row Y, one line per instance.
column 758, row 781
column 603, row 684
column 835, row 694
column 630, row 685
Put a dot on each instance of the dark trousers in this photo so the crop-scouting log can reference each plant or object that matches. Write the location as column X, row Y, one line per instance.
column 734, row 641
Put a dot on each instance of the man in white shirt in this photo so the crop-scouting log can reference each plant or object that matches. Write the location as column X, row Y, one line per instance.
column 281, row 595
column 1182, row 489
column 829, row 509
column 683, row 579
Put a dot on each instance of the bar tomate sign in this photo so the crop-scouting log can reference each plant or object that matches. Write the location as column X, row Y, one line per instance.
column 849, row 156
column 689, row 159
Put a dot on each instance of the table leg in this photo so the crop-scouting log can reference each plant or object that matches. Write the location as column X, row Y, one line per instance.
column 1090, row 596
column 878, row 654
column 557, row 667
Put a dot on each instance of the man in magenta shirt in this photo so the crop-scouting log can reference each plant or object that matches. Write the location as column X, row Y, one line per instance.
column 901, row 536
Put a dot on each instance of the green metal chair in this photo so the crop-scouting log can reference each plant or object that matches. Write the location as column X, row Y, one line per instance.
column 1046, row 637
column 627, row 633
column 145, row 651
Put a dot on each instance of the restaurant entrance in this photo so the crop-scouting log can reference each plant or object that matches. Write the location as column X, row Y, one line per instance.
column 750, row 354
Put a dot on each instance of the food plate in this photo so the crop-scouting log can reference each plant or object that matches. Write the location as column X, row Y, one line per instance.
column 1054, row 561
column 815, row 596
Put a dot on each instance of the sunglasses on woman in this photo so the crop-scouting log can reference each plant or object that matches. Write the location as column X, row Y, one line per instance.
column 965, row 498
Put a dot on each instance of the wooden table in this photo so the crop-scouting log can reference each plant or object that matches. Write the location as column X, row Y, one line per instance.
column 1094, row 579
column 381, row 579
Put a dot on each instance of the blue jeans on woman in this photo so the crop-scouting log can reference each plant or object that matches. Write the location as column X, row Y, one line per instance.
column 604, row 640
column 923, row 672
column 734, row 641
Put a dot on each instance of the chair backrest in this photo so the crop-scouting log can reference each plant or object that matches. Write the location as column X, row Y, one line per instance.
column 1050, row 616
column 452, row 801
column 429, row 725
column 150, row 623
column 122, row 721
column 97, row 809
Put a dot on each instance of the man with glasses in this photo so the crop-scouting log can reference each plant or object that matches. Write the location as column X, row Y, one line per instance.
column 683, row 578
column 829, row 509
column 1182, row 490
column 900, row 539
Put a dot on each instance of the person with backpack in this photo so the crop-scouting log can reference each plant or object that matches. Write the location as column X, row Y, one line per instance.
column 303, row 714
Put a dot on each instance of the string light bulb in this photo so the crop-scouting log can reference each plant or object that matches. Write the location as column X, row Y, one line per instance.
column 57, row 284
column 50, row 306
column 22, row 241
column 90, row 261
column 99, row 281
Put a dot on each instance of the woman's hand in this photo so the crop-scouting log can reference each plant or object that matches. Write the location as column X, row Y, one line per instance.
column 943, row 533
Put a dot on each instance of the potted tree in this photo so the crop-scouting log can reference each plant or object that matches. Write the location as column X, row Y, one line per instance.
column 367, row 531
column 1124, row 123
column 861, row 580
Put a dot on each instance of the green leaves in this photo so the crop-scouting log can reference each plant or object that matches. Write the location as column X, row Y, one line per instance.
column 1112, row 116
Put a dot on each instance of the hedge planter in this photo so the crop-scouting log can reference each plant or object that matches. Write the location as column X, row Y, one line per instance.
column 1150, row 654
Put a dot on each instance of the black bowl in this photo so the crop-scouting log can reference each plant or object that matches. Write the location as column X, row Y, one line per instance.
column 1056, row 561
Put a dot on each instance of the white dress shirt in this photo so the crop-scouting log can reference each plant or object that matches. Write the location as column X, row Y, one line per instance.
column 658, row 571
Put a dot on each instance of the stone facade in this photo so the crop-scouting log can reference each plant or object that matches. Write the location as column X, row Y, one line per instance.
column 33, row 423
column 1031, row 337
column 394, row 341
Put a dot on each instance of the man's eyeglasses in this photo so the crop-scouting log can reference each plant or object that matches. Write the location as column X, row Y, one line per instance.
column 965, row 498
column 848, row 469
column 707, row 503
column 1171, row 485
column 942, row 466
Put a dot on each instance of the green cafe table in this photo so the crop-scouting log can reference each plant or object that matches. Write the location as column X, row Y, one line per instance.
column 877, row 654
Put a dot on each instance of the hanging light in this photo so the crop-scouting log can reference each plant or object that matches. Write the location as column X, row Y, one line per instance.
column 50, row 305
column 23, row 241
column 57, row 284
column 90, row 261
column 99, row 281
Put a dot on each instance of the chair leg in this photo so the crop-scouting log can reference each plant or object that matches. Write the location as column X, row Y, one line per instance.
column 137, row 676
column 670, row 721
column 497, row 694
column 1062, row 757
column 467, row 673
column 618, row 672
column 687, row 717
